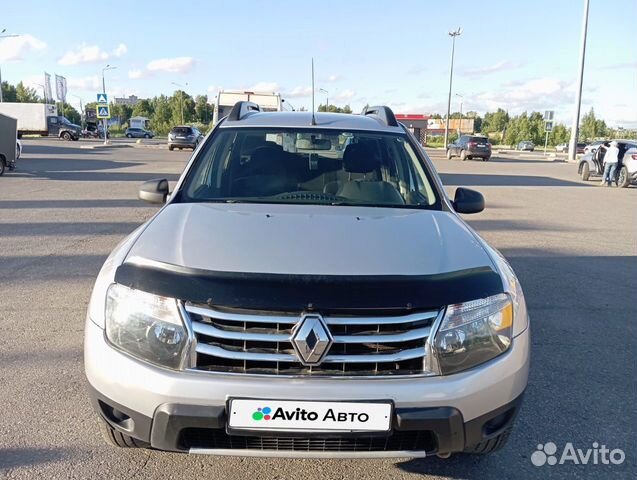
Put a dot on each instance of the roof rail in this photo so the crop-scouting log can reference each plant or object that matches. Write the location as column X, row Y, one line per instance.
column 383, row 113
column 241, row 109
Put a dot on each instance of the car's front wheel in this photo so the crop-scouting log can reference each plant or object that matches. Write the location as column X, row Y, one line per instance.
column 66, row 136
column 119, row 439
column 586, row 172
column 622, row 179
column 128, row 135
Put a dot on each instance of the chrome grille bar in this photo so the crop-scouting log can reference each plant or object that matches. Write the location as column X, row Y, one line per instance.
column 262, row 342
column 282, row 357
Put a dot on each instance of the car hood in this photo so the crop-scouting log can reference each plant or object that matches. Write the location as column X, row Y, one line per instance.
column 309, row 240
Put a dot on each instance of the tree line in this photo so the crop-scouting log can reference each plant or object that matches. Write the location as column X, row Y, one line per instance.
column 510, row 130
column 166, row 111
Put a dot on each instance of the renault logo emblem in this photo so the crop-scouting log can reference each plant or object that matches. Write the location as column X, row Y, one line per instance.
column 312, row 339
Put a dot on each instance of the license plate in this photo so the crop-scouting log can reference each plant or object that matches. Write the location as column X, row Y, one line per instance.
column 180, row 137
column 245, row 414
column 481, row 145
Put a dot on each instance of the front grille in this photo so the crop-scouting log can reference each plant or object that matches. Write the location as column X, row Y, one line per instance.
column 260, row 343
column 216, row 439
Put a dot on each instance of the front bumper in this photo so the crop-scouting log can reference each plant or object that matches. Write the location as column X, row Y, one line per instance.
column 185, row 411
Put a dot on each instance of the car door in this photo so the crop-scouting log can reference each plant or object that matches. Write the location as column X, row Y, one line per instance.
column 53, row 126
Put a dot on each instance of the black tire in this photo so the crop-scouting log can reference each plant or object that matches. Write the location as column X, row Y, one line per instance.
column 171, row 148
column 622, row 177
column 463, row 155
column 118, row 439
column 449, row 155
column 66, row 136
column 128, row 135
column 489, row 446
column 75, row 139
column 2, row 165
column 146, row 136
column 586, row 172
column 486, row 159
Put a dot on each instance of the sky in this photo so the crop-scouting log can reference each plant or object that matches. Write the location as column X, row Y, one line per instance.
column 516, row 55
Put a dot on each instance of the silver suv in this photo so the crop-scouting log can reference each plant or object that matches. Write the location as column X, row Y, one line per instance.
column 307, row 289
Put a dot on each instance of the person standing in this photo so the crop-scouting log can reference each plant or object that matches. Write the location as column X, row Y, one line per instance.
column 611, row 158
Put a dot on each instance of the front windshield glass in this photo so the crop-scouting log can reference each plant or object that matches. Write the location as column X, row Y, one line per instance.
column 310, row 166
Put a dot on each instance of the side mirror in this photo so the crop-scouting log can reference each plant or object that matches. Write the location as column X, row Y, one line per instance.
column 154, row 191
column 468, row 201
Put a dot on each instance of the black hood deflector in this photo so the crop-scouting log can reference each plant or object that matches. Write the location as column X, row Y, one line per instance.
column 324, row 293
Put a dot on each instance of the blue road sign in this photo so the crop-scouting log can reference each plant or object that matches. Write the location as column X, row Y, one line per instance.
column 103, row 111
column 102, row 98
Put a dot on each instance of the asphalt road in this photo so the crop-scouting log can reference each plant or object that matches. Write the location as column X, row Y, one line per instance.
column 572, row 245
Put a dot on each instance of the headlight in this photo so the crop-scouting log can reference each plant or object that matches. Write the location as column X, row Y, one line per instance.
column 145, row 325
column 474, row 332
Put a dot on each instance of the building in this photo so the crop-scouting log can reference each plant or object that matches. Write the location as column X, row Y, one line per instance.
column 416, row 123
column 131, row 101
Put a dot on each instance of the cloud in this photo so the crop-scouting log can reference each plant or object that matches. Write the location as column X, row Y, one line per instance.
column 17, row 48
column 120, row 50
column 299, row 92
column 344, row 96
column 264, row 87
column 83, row 54
column 135, row 74
column 537, row 94
column 620, row 66
column 333, row 78
column 90, row 54
column 497, row 67
column 416, row 70
column 171, row 65
column 92, row 82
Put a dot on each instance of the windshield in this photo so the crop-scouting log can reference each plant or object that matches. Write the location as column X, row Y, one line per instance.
column 310, row 166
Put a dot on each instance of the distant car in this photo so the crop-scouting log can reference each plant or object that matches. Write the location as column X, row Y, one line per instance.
column 526, row 146
column 184, row 136
column 592, row 147
column 138, row 133
column 592, row 163
column 563, row 148
column 470, row 146
column 18, row 148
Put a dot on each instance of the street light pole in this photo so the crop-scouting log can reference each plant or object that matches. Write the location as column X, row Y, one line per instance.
column 460, row 122
column 572, row 146
column 104, row 123
column 453, row 36
column 3, row 35
column 327, row 98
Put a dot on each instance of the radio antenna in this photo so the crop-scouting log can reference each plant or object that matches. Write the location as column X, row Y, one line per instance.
column 313, row 117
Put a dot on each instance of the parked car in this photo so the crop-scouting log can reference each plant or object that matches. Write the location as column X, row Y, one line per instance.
column 184, row 136
column 138, row 133
column 591, row 147
column 470, row 146
column 563, row 148
column 592, row 163
column 525, row 146
column 295, row 299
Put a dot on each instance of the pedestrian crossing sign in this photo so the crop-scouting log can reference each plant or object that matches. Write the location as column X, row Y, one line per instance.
column 102, row 98
column 103, row 111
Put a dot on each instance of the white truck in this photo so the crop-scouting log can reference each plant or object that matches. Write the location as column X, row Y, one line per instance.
column 226, row 99
column 40, row 119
